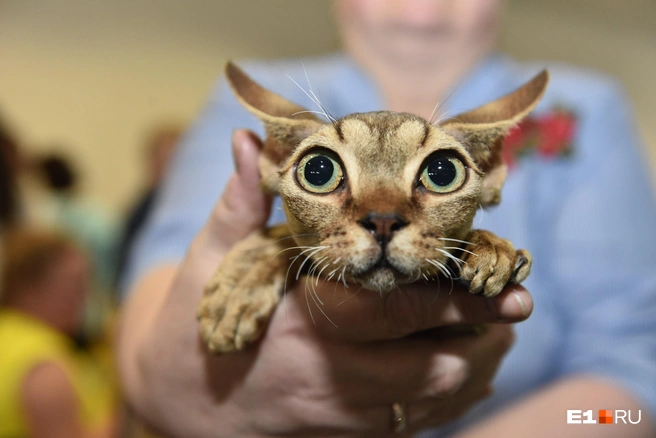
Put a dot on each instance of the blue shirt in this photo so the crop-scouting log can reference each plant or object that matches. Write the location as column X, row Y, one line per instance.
column 587, row 217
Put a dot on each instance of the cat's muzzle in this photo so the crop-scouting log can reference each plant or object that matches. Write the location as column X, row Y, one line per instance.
column 382, row 276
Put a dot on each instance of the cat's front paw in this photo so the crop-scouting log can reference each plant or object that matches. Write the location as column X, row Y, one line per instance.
column 232, row 316
column 491, row 263
column 244, row 291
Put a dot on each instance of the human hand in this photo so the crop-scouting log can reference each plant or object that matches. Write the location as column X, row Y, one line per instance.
column 340, row 377
column 310, row 376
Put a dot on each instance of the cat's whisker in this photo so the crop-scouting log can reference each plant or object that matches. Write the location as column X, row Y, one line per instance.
column 314, row 291
column 316, row 99
column 332, row 119
column 307, row 301
column 322, row 269
column 315, row 265
column 296, row 257
column 319, row 304
column 433, row 115
column 350, row 297
column 295, row 235
column 437, row 292
column 457, row 240
column 284, row 291
column 321, row 113
column 323, row 312
column 335, row 288
column 461, row 249
column 455, row 259
column 310, row 97
column 315, row 280
column 309, row 248
column 273, row 242
column 319, row 264
column 444, row 270
column 289, row 249
column 331, row 273
column 310, row 288
column 337, row 260
column 452, row 273
column 439, row 266
column 442, row 117
column 308, row 257
column 440, row 104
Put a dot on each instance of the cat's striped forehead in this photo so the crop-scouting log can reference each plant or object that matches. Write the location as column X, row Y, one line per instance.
column 383, row 132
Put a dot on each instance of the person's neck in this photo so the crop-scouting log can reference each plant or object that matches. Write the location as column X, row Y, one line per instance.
column 420, row 87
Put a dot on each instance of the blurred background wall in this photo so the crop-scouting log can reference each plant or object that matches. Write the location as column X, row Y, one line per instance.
column 93, row 76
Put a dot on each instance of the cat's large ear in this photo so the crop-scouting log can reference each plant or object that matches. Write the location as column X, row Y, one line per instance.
column 483, row 129
column 286, row 123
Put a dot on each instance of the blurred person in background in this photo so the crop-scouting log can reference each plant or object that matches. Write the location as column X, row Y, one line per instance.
column 49, row 387
column 9, row 163
column 577, row 196
column 9, row 198
column 160, row 147
column 51, row 195
column 58, row 204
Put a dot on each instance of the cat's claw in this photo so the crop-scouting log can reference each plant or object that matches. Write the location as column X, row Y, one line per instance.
column 491, row 263
column 522, row 266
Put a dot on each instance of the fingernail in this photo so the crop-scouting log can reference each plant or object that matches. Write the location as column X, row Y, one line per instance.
column 512, row 308
column 237, row 147
column 522, row 304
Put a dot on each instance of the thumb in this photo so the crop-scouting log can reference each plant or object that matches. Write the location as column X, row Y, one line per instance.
column 243, row 207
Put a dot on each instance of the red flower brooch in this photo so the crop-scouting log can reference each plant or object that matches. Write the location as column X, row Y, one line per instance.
column 549, row 135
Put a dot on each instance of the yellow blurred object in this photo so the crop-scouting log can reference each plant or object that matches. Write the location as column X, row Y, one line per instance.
column 26, row 342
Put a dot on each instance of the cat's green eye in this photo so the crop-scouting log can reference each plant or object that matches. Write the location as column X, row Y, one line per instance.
column 319, row 172
column 443, row 174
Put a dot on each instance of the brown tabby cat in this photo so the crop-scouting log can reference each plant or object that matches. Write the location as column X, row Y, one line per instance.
column 379, row 199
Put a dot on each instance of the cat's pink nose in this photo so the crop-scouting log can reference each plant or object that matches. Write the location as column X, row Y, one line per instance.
column 383, row 226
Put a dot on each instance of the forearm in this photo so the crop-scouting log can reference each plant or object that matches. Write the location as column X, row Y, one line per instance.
column 545, row 413
column 138, row 318
column 161, row 360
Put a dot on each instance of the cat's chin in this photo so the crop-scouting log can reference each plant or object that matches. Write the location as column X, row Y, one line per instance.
column 380, row 279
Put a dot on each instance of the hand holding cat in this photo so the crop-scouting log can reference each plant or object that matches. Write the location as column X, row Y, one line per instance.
column 308, row 377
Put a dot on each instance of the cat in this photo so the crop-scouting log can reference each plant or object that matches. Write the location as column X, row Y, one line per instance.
column 379, row 199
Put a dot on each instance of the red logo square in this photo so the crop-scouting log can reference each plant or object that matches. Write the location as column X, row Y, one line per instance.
column 605, row 416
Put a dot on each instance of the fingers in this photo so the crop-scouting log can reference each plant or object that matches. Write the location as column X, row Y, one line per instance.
column 461, row 375
column 435, row 381
column 362, row 315
column 414, row 370
column 484, row 359
column 243, row 207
